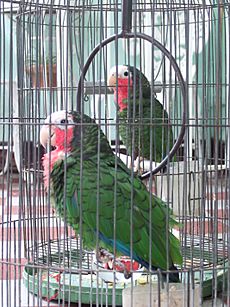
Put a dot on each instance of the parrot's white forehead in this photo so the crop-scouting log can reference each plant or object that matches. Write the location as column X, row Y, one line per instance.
column 57, row 116
column 120, row 69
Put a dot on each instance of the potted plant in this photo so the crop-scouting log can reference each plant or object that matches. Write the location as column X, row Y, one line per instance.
column 39, row 72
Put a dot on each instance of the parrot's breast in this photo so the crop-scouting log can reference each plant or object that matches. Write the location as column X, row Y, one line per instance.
column 49, row 159
column 122, row 93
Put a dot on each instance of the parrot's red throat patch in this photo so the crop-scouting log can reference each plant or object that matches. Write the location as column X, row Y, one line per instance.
column 63, row 140
column 122, row 91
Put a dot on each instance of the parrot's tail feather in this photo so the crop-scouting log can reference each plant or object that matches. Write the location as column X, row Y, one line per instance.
column 172, row 277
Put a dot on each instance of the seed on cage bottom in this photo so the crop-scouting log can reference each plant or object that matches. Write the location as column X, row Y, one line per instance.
column 142, row 280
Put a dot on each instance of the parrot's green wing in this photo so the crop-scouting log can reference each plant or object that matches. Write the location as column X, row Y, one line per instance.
column 64, row 194
column 142, row 209
column 107, row 211
column 156, row 131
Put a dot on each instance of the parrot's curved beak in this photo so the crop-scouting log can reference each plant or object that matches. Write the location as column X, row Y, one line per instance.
column 47, row 136
column 112, row 81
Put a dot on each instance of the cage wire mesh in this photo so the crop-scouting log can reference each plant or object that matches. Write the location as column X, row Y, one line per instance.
column 44, row 48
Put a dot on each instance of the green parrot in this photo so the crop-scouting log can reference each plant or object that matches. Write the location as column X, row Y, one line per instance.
column 132, row 94
column 89, row 183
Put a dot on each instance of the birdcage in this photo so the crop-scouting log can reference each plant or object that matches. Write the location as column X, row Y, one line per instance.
column 58, row 55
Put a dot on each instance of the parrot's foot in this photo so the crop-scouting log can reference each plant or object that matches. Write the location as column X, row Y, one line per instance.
column 127, row 274
column 138, row 165
column 120, row 267
column 103, row 256
column 111, row 262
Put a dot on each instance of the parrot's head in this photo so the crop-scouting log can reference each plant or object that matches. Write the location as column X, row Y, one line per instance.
column 58, row 130
column 127, row 81
column 69, row 131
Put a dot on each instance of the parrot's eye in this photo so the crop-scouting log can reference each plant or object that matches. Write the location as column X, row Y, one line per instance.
column 68, row 121
column 64, row 121
column 126, row 73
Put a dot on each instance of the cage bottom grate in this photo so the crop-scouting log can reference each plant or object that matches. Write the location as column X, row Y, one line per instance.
column 54, row 270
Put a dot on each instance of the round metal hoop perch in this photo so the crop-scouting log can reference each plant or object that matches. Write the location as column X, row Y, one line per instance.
column 125, row 34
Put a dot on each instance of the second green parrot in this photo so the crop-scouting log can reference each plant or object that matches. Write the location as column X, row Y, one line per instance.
column 149, row 121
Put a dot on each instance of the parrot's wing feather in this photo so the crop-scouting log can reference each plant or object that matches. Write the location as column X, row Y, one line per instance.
column 157, row 128
column 118, row 208
column 115, row 211
column 65, row 194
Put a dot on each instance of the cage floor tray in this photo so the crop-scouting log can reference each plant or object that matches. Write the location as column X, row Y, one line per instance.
column 86, row 288
column 62, row 280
